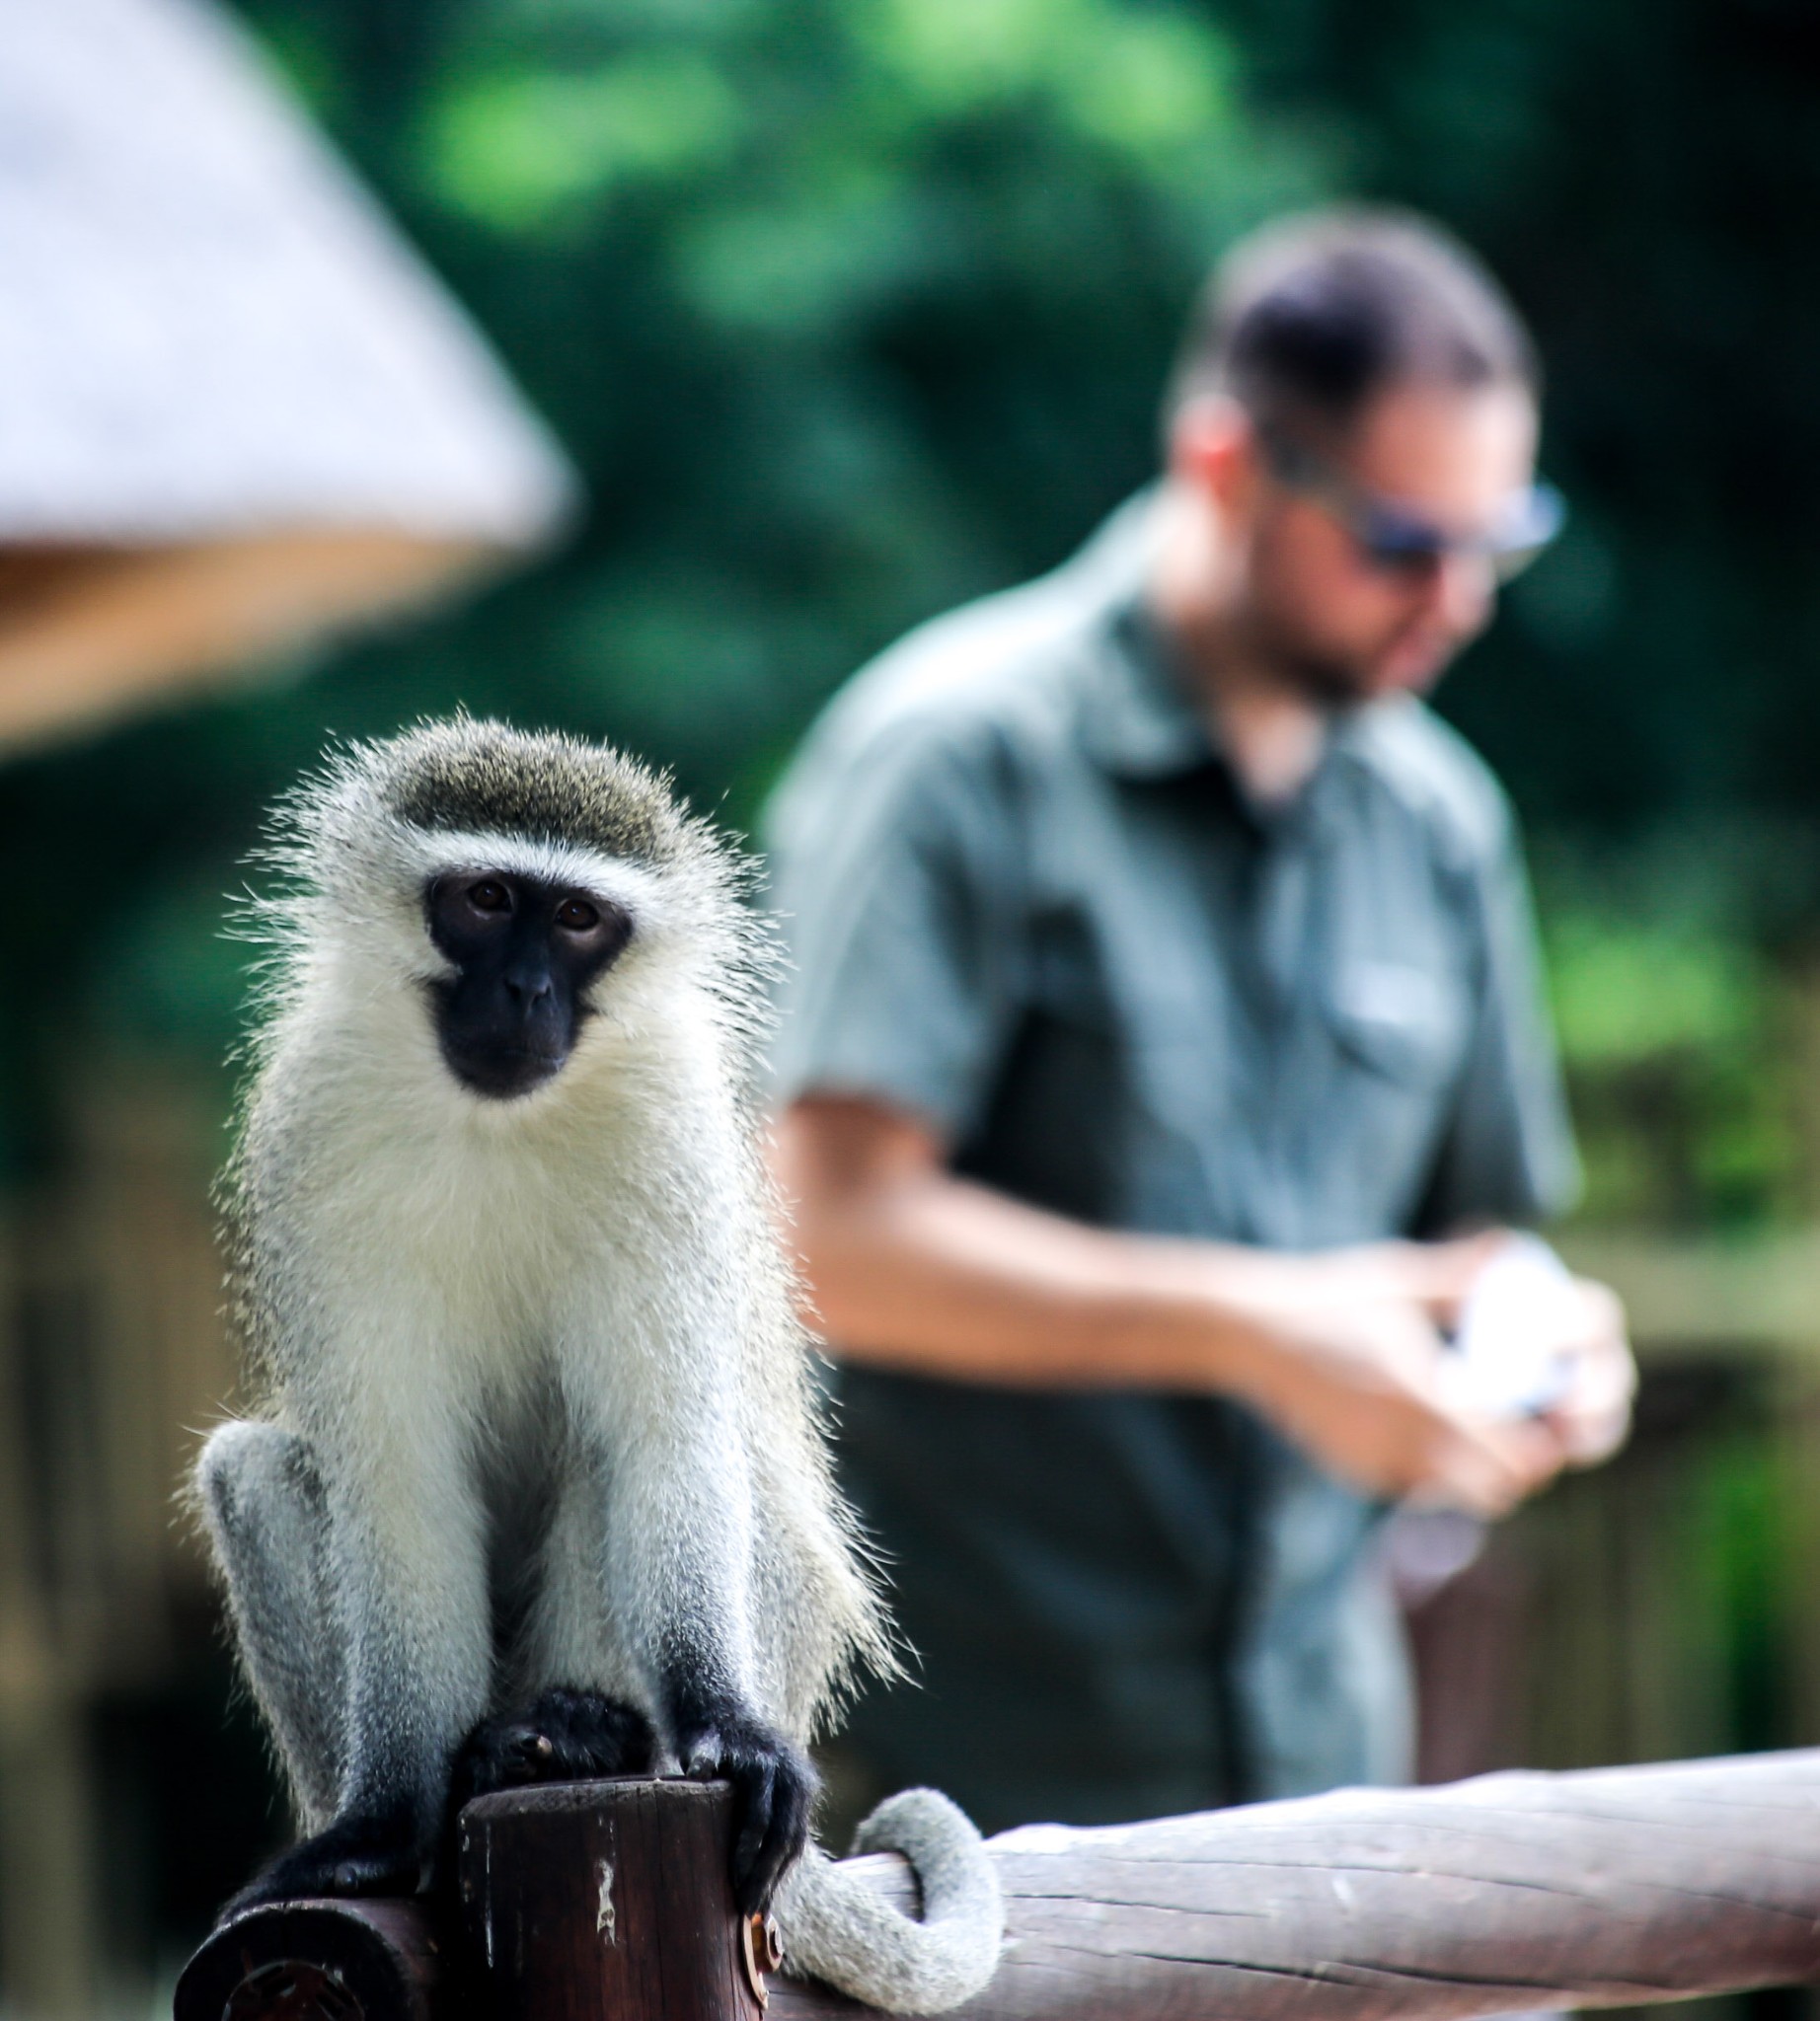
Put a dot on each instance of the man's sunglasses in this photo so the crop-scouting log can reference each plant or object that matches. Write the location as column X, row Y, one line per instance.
column 1400, row 542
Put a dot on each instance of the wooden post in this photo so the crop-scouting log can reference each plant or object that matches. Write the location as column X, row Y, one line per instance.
column 579, row 1901
column 608, row 1901
column 321, row 1960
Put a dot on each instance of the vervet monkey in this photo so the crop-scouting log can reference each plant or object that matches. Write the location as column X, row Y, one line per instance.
column 538, row 1485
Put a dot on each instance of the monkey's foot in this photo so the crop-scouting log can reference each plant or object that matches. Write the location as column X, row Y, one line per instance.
column 774, row 1786
column 363, row 1854
column 567, row 1736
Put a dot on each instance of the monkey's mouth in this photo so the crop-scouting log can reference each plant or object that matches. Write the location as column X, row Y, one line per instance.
column 502, row 1071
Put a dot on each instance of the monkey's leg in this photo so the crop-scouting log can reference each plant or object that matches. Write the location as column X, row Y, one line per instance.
column 572, row 1712
column 407, row 1570
column 262, row 1498
column 583, row 1727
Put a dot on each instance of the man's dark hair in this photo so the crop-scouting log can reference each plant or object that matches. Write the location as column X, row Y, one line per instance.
column 1310, row 318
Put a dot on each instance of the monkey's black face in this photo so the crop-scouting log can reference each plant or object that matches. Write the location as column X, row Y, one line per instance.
column 524, row 953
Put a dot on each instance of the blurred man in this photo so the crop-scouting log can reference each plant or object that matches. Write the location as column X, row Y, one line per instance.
column 1164, row 1008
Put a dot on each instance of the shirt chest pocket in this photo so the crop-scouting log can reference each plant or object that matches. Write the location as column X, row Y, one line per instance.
column 1404, row 1024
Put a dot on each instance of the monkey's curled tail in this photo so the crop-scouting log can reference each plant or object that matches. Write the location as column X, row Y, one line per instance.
column 837, row 1929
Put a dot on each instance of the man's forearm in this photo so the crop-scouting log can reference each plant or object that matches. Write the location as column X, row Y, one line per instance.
column 916, row 1269
column 938, row 1276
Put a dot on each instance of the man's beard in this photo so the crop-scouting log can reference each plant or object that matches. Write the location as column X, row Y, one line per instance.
column 1328, row 679
column 1323, row 680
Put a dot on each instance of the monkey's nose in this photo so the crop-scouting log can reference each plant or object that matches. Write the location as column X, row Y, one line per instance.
column 529, row 988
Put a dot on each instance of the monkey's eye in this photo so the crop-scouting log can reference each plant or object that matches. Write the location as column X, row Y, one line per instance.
column 577, row 915
column 489, row 895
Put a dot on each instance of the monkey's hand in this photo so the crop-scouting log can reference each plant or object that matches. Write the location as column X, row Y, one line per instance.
column 774, row 1789
column 362, row 1853
column 567, row 1736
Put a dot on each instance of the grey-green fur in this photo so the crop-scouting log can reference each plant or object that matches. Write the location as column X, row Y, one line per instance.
column 468, row 774
column 359, row 1168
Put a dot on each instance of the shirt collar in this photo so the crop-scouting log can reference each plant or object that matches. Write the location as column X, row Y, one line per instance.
column 1141, row 720
column 1139, row 716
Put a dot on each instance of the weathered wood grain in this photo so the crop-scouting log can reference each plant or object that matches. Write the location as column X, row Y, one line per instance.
column 1605, row 1888
column 323, row 1961
column 1612, row 1887
column 589, row 1900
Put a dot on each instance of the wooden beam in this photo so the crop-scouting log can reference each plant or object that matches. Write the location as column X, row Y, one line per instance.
column 588, row 1898
column 1603, row 1888
column 323, row 1961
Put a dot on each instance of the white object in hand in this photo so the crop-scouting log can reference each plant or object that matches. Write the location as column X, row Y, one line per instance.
column 1512, row 1353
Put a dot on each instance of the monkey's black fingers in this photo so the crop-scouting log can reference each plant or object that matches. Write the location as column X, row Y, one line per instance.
column 361, row 1854
column 590, row 1734
column 763, row 1856
column 774, row 1792
column 566, row 1736
column 500, row 1754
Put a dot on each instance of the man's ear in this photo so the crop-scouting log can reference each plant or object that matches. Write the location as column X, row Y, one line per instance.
column 1213, row 447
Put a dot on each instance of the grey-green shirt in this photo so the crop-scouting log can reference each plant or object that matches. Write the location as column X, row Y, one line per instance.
column 1029, row 901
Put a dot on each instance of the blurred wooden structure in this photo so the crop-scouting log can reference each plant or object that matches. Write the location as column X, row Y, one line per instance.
column 1692, row 1300
column 236, row 412
column 1659, row 1606
column 112, row 1351
column 1617, row 1887
column 237, row 415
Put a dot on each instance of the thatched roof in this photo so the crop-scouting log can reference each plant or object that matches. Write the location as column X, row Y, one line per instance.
column 235, row 409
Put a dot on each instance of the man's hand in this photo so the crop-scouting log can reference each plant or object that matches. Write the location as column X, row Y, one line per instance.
column 1352, row 1370
column 1593, row 1418
column 914, row 1268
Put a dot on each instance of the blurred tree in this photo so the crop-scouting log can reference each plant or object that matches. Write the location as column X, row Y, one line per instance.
column 846, row 310
column 853, row 308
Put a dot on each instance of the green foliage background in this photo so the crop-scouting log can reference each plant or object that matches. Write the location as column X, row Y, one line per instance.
column 849, row 309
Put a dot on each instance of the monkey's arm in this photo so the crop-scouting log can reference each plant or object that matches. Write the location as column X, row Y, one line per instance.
column 720, row 1732
column 678, row 1523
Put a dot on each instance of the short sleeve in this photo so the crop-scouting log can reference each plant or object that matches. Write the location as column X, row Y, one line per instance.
column 1508, row 1153
column 894, row 870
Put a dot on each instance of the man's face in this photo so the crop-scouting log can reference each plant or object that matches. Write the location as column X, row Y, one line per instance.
column 1341, row 627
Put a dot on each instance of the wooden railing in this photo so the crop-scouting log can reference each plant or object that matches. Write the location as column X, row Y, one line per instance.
column 1602, row 1888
